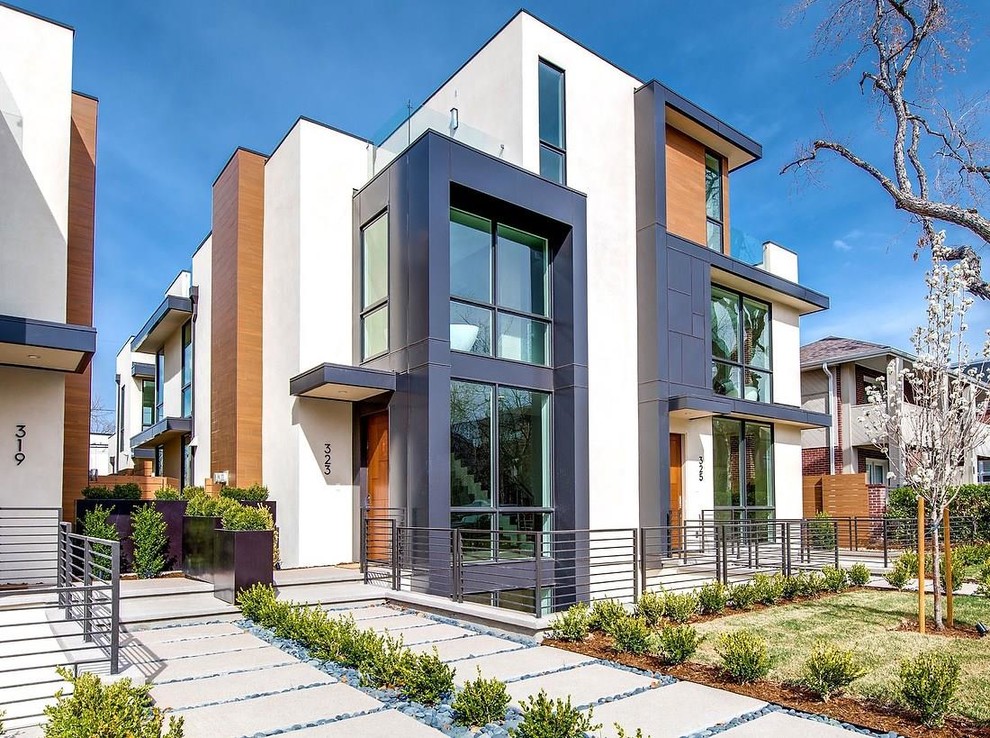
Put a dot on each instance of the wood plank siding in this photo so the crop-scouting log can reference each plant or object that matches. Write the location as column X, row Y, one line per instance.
column 686, row 190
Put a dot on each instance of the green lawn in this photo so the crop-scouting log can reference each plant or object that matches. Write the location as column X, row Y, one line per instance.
column 865, row 621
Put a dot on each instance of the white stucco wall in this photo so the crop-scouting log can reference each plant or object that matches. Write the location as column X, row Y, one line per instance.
column 173, row 375
column 788, row 493
column 202, row 270
column 36, row 69
column 309, row 184
column 786, row 347
column 696, row 476
column 132, row 402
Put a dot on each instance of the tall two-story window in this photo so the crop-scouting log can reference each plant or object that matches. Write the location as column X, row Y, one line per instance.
column 147, row 404
column 159, row 386
column 740, row 346
column 499, row 290
column 714, row 201
column 374, row 288
column 553, row 157
column 743, row 471
column 187, row 370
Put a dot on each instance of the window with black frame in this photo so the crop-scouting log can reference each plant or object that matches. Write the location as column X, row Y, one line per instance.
column 187, row 370
column 374, row 288
column 714, row 202
column 741, row 360
column 147, row 404
column 500, row 471
column 499, row 290
column 553, row 156
column 159, row 385
column 743, row 473
column 120, row 418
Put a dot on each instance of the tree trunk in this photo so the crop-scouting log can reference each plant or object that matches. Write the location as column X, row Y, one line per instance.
column 936, row 571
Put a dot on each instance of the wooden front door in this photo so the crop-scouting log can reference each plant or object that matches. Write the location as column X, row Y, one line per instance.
column 376, row 450
column 676, row 485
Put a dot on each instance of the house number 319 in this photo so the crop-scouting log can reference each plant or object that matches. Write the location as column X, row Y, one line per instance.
column 19, row 435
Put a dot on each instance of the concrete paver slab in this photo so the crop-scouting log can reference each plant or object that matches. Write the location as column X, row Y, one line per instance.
column 213, row 664
column 779, row 723
column 138, row 652
column 178, row 695
column 375, row 725
column 183, row 633
column 675, row 710
column 583, row 684
column 463, row 648
column 512, row 664
column 284, row 710
column 430, row 633
column 397, row 621
column 365, row 613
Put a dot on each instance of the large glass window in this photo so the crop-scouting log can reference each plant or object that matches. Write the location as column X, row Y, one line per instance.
column 374, row 288
column 741, row 361
column 714, row 201
column 553, row 164
column 743, row 468
column 500, row 290
column 499, row 440
column 159, row 386
column 187, row 370
column 187, row 456
column 147, row 404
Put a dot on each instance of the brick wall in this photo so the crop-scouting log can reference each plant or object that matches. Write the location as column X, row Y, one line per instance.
column 877, row 495
column 864, row 378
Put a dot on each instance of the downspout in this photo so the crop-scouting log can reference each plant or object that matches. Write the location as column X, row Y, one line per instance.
column 828, row 409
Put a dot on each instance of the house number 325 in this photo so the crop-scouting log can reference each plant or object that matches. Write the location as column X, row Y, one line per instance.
column 326, row 459
column 701, row 468
column 19, row 435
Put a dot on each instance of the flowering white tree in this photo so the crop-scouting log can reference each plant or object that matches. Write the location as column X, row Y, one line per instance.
column 937, row 433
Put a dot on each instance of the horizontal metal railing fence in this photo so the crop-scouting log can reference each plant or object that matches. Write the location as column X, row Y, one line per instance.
column 62, row 609
column 547, row 571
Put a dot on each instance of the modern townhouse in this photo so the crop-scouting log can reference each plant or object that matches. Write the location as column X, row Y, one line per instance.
column 522, row 311
column 47, row 196
column 836, row 375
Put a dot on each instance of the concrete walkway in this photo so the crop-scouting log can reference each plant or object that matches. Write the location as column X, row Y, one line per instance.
column 228, row 682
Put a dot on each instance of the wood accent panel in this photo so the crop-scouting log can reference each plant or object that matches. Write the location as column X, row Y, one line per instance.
column 676, row 486
column 79, row 294
column 686, row 187
column 845, row 495
column 376, row 450
column 811, row 487
column 236, row 341
column 148, row 485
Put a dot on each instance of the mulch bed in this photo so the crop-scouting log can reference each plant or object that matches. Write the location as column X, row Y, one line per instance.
column 911, row 626
column 864, row 713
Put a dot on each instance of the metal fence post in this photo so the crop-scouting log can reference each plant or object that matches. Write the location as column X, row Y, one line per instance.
column 115, row 608
column 886, row 553
column 394, row 546
column 67, row 573
column 364, row 543
column 635, row 564
column 60, row 567
column 537, row 556
column 784, row 568
column 457, row 568
column 835, row 529
column 87, row 591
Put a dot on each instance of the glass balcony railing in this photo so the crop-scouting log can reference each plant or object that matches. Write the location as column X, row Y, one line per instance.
column 745, row 248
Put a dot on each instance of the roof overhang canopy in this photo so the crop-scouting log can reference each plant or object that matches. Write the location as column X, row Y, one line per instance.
column 161, row 432
column 690, row 407
column 717, row 135
column 41, row 344
column 168, row 318
column 342, row 382
column 140, row 369
column 757, row 284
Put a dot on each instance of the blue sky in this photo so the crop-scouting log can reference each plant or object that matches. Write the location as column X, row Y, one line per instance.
column 182, row 83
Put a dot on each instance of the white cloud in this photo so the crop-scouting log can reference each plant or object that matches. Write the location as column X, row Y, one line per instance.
column 841, row 245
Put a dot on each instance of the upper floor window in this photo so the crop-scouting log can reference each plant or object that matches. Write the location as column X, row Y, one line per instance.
column 120, row 418
column 553, row 159
column 374, row 288
column 499, row 289
column 714, row 201
column 147, row 404
column 740, row 346
column 159, row 386
column 187, row 370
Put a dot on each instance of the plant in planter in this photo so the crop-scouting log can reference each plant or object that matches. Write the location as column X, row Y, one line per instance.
column 97, row 493
column 168, row 493
column 97, row 524
column 202, row 518
column 128, row 491
column 150, row 541
column 254, row 493
column 244, row 551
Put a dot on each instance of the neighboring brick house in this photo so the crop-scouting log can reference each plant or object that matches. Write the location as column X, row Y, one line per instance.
column 835, row 376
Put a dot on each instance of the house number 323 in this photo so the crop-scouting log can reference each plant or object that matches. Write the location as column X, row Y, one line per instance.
column 19, row 435
column 326, row 459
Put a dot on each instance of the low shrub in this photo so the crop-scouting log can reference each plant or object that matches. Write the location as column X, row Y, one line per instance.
column 822, row 531
column 245, row 517
column 677, row 643
column 836, row 578
column 191, row 491
column 680, row 607
column 254, row 493
column 168, row 493
column 898, row 576
column 830, row 669
column 650, row 607
column 605, row 613
column 96, row 524
column 974, row 554
column 546, row 718
column 983, row 581
column 713, row 598
column 428, row 679
column 814, row 583
column 205, row 505
column 127, row 491
column 481, row 701
column 742, row 596
column 957, row 574
column 255, row 601
column 632, row 635
column 148, row 531
column 387, row 663
column 794, row 586
column 573, row 624
column 620, row 732
column 120, row 709
column 744, row 655
column 928, row 684
column 859, row 575
column 769, row 588
column 97, row 493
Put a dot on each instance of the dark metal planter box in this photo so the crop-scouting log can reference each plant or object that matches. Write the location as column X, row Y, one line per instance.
column 242, row 558
column 173, row 511
column 198, row 546
column 120, row 516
